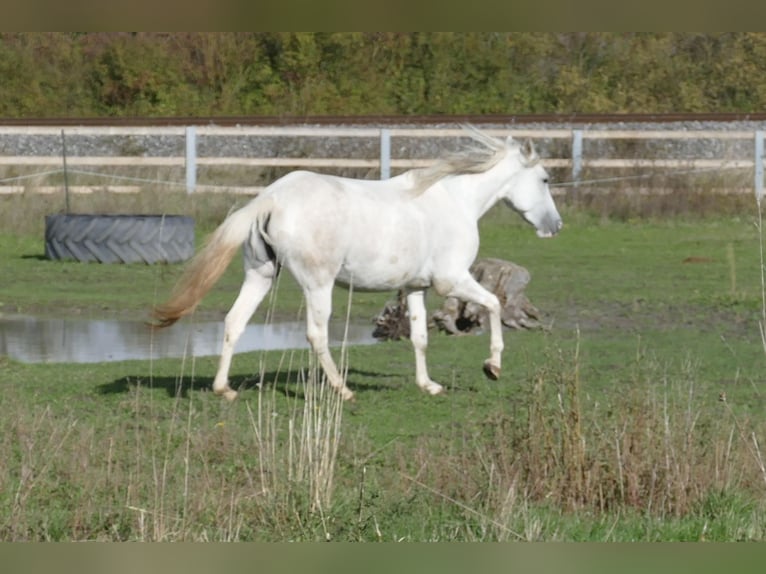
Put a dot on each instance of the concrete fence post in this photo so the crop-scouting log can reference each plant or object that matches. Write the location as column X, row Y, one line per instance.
column 191, row 159
column 385, row 153
column 759, row 159
column 576, row 155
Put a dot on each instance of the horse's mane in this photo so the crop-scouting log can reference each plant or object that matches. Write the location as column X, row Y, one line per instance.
column 473, row 159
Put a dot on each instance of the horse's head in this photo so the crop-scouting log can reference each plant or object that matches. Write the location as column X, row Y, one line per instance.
column 528, row 192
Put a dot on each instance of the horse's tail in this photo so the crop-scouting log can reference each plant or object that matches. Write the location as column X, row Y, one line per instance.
column 207, row 266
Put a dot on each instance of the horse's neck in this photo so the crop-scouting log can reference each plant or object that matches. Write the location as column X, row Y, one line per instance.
column 477, row 192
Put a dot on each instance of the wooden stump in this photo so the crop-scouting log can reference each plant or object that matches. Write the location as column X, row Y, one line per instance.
column 503, row 278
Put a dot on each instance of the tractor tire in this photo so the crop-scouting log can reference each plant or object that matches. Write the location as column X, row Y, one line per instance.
column 119, row 238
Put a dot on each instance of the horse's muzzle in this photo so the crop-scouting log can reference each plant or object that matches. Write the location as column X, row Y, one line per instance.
column 550, row 228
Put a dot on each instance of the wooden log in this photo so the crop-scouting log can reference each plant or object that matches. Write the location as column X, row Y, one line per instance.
column 505, row 279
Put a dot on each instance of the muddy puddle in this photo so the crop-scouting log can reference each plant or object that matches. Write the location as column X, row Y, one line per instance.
column 38, row 340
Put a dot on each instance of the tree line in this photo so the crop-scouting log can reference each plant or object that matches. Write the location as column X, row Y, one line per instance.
column 297, row 74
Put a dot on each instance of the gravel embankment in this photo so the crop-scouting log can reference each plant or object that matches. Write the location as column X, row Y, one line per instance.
column 141, row 144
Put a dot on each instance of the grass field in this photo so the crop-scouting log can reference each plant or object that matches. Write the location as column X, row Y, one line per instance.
column 637, row 414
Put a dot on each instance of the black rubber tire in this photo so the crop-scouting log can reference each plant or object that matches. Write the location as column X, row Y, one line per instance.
column 119, row 238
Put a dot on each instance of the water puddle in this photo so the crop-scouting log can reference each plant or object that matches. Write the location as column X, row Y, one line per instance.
column 36, row 340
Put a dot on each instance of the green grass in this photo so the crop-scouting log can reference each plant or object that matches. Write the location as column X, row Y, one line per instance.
column 636, row 415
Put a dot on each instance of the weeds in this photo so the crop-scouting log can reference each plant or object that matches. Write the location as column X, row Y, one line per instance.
column 24, row 213
column 283, row 466
column 654, row 448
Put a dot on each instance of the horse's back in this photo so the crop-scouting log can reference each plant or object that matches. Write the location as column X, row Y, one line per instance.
column 321, row 200
column 364, row 233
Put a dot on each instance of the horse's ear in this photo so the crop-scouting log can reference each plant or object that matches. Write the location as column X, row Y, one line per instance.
column 528, row 152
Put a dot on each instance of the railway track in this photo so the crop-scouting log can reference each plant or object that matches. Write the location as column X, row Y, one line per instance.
column 386, row 119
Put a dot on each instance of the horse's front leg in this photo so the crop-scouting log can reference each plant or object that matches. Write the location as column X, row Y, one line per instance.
column 468, row 289
column 419, row 337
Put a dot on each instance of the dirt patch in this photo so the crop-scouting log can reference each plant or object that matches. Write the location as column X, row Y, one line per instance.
column 641, row 316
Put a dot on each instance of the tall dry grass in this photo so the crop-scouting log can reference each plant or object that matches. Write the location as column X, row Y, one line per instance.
column 658, row 446
column 24, row 213
column 163, row 476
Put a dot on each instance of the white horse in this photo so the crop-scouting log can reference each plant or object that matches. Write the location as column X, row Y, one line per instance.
column 413, row 231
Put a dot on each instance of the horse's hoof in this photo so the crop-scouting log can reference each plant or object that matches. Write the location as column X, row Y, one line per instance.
column 228, row 394
column 491, row 371
column 434, row 389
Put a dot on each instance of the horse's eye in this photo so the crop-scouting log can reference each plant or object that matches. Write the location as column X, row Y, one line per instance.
column 545, row 180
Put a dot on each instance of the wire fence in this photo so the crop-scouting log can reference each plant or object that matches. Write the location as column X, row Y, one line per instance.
column 139, row 182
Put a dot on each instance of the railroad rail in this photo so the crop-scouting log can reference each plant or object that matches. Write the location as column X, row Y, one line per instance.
column 387, row 120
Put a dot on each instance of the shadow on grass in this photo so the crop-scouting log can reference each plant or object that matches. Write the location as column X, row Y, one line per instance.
column 286, row 383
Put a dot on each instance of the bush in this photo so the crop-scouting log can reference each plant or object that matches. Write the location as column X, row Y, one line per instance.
column 299, row 74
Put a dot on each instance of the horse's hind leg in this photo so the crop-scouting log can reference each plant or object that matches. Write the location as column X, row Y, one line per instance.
column 257, row 283
column 318, row 308
column 419, row 337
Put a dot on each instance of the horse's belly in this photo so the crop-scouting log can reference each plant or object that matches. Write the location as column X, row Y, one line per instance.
column 381, row 276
